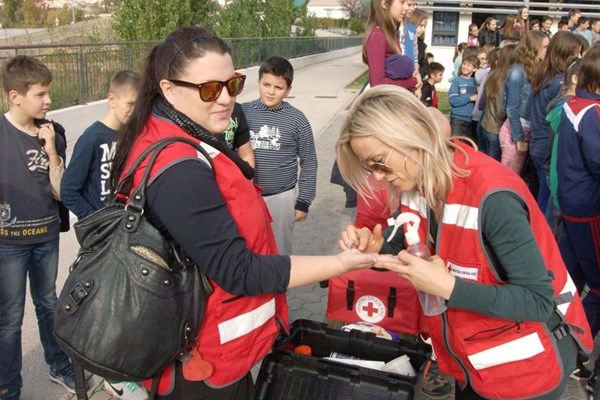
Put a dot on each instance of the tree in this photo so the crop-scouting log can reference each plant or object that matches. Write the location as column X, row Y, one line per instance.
column 257, row 18
column 155, row 19
column 34, row 13
column 205, row 13
column 353, row 8
column 12, row 13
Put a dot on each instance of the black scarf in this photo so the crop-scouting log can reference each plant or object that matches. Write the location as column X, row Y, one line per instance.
column 164, row 109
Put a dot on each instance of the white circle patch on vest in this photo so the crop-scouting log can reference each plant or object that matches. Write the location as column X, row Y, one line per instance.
column 370, row 309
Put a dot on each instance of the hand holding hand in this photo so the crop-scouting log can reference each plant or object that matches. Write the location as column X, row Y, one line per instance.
column 362, row 239
column 429, row 276
column 354, row 259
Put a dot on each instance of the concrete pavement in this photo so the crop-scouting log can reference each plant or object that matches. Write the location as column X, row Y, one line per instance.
column 319, row 91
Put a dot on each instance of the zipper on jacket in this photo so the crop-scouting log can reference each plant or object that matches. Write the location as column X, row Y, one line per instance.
column 495, row 332
column 232, row 299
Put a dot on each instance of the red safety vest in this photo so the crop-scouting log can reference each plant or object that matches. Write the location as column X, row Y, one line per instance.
column 237, row 331
column 499, row 358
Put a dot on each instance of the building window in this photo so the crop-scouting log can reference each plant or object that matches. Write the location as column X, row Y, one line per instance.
column 445, row 28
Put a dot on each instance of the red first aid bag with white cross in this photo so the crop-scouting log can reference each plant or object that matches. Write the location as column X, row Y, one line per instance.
column 381, row 298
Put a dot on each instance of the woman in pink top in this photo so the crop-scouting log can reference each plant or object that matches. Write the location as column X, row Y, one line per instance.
column 382, row 42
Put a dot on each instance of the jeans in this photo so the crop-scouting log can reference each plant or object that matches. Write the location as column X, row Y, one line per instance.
column 462, row 128
column 40, row 261
column 544, row 191
column 493, row 141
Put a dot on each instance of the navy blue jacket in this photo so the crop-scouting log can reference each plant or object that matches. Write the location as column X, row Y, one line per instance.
column 85, row 186
column 539, row 147
column 578, row 157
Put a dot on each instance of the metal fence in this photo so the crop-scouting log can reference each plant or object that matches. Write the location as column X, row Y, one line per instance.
column 81, row 72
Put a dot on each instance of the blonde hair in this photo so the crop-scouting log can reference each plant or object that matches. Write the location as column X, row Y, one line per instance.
column 398, row 119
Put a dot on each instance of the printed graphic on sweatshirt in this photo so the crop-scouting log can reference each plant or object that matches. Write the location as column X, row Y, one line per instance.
column 268, row 138
column 37, row 161
column 5, row 215
column 229, row 133
column 108, row 154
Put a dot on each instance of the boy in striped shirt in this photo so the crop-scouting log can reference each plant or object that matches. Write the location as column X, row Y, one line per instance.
column 283, row 142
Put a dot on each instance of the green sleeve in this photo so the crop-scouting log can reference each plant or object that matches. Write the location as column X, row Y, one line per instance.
column 527, row 294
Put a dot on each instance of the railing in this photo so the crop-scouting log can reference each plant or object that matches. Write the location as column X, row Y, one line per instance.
column 81, row 72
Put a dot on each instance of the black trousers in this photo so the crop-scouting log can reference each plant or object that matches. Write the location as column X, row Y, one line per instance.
column 188, row 390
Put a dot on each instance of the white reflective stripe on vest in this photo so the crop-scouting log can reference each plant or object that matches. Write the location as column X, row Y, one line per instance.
column 568, row 288
column 246, row 323
column 461, row 215
column 415, row 202
column 520, row 349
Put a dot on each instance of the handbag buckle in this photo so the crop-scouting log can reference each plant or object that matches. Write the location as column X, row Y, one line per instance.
column 81, row 291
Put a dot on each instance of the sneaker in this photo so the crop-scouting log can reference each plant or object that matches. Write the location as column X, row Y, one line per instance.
column 590, row 384
column 10, row 393
column 126, row 390
column 581, row 373
column 65, row 377
column 436, row 386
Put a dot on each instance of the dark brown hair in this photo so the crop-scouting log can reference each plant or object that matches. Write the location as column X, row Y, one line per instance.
column 563, row 49
column 169, row 59
column 21, row 72
column 497, row 77
column 589, row 71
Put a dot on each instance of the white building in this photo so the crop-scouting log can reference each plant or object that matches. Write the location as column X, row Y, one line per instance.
column 326, row 9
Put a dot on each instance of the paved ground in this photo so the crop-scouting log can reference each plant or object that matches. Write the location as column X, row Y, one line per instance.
column 318, row 90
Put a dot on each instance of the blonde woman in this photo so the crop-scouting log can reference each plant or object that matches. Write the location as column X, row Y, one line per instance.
column 501, row 297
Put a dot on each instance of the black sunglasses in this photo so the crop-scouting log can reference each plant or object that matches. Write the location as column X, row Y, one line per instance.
column 210, row 91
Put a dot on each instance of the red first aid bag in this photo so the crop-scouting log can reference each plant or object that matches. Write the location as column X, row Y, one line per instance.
column 380, row 298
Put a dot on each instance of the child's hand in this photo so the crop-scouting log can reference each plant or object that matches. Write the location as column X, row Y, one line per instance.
column 46, row 135
column 522, row 146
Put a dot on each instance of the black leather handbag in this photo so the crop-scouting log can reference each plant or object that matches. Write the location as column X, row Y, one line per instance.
column 132, row 302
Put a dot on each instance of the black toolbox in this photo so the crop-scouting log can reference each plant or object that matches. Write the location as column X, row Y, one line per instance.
column 285, row 375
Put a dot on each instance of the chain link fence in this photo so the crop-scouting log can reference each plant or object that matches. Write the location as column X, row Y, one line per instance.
column 81, row 72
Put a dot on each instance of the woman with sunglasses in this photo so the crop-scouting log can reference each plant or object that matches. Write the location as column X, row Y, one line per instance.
column 215, row 214
column 514, row 321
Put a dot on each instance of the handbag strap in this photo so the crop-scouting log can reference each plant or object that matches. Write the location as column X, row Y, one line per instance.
column 138, row 196
column 135, row 205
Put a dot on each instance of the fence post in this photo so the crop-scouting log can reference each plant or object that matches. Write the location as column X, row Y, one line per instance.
column 83, row 87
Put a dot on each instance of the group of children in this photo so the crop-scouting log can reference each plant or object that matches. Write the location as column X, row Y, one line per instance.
column 273, row 137
column 539, row 100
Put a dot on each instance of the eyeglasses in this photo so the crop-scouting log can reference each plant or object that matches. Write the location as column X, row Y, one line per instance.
column 210, row 91
column 379, row 167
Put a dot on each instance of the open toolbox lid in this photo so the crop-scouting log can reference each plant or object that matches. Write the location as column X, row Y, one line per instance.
column 287, row 375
